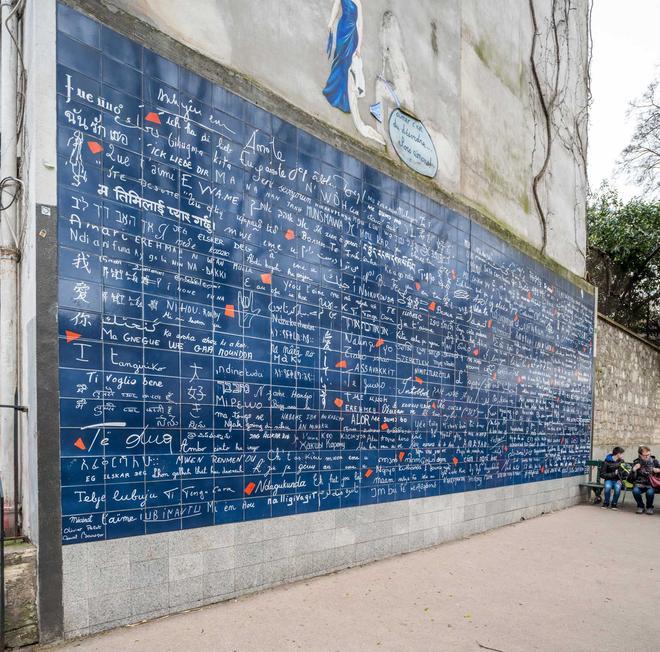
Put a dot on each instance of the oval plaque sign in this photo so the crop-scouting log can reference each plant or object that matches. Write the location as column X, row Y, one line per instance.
column 413, row 143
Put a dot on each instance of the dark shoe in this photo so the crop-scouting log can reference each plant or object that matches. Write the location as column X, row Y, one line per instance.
column 604, row 506
column 615, row 507
column 640, row 510
column 649, row 510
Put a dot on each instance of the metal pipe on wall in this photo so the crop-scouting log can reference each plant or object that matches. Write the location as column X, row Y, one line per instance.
column 9, row 252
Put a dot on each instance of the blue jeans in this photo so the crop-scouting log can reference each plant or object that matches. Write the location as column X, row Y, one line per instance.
column 637, row 493
column 612, row 485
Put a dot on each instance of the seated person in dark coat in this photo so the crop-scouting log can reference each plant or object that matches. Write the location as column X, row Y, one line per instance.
column 611, row 472
column 643, row 468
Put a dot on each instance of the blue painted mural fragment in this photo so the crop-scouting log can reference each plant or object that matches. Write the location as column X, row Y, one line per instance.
column 254, row 324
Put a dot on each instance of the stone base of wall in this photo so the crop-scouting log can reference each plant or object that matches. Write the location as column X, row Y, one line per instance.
column 20, row 595
column 112, row 583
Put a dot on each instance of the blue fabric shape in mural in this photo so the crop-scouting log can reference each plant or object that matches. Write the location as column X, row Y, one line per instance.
column 376, row 111
column 336, row 88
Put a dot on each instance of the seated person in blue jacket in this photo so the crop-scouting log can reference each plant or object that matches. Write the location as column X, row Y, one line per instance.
column 611, row 472
column 643, row 468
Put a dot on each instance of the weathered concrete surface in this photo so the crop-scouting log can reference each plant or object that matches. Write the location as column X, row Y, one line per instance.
column 627, row 401
column 20, row 595
column 557, row 582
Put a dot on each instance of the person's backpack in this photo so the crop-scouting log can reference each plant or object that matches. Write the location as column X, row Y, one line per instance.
column 625, row 470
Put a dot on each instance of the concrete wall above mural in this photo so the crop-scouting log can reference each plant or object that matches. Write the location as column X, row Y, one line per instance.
column 346, row 84
column 461, row 67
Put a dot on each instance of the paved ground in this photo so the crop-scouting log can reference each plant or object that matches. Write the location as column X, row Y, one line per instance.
column 575, row 580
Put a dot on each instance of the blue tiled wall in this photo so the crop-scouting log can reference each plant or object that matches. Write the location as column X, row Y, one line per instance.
column 254, row 324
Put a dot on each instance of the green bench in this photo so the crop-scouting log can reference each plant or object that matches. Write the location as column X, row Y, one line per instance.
column 597, row 486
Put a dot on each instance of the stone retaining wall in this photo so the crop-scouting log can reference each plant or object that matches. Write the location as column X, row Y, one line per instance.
column 627, row 397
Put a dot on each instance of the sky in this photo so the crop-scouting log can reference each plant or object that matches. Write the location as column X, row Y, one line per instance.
column 626, row 57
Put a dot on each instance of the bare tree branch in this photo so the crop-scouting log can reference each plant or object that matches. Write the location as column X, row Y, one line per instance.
column 641, row 158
